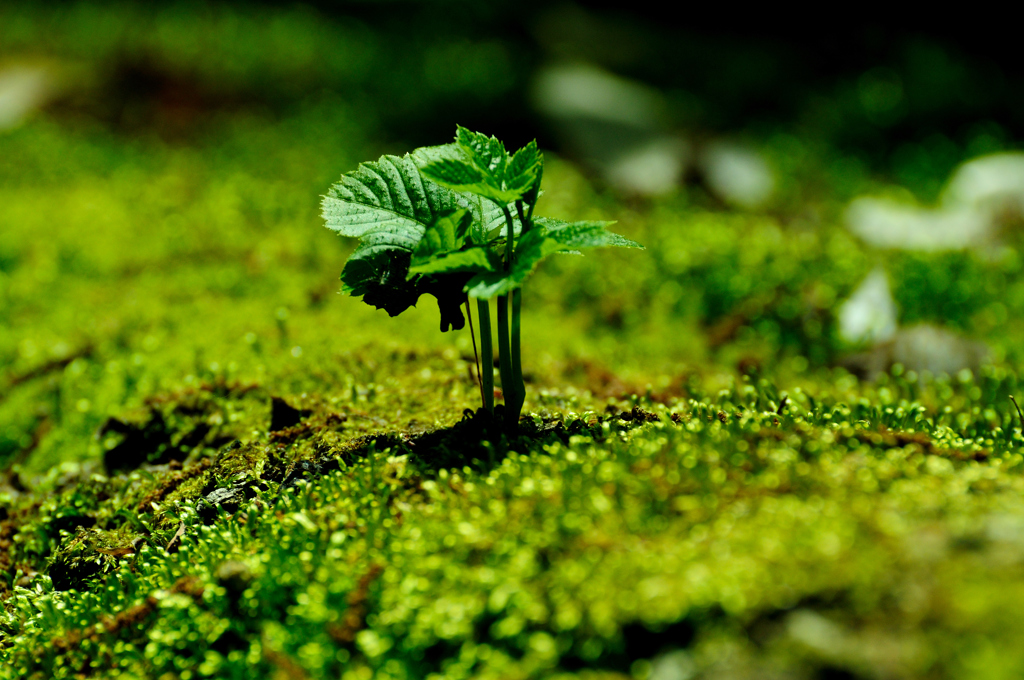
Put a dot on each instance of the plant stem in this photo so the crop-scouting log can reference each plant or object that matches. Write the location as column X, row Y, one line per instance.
column 509, row 238
column 509, row 347
column 511, row 366
column 487, row 365
column 514, row 387
column 519, row 396
column 525, row 220
column 508, row 385
column 476, row 355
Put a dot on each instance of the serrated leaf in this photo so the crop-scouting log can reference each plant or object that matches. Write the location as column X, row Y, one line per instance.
column 438, row 173
column 492, row 226
column 388, row 202
column 426, row 155
column 548, row 237
column 524, row 161
column 587, row 234
column 486, row 215
column 474, row 260
column 492, row 284
column 478, row 164
column 455, row 174
column 523, row 169
column 446, row 234
column 531, row 196
column 533, row 247
column 425, row 228
column 487, row 153
column 389, row 206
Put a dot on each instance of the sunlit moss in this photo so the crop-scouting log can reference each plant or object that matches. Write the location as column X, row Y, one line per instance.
column 168, row 290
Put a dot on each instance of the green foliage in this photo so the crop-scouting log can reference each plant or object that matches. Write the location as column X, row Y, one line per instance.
column 480, row 165
column 388, row 207
column 431, row 234
column 870, row 529
column 446, row 248
column 439, row 218
column 444, row 236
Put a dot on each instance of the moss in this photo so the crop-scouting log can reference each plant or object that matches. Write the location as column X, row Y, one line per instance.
column 699, row 489
column 86, row 555
column 737, row 521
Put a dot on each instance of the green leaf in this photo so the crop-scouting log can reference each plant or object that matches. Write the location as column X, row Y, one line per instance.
column 445, row 235
column 446, row 172
column 492, row 284
column 425, row 228
column 492, row 224
column 531, row 196
column 588, row 234
column 387, row 203
column 488, row 217
column 548, row 237
column 454, row 173
column 523, row 169
column 533, row 247
column 473, row 260
column 425, row 155
column 390, row 206
column 487, row 153
column 480, row 165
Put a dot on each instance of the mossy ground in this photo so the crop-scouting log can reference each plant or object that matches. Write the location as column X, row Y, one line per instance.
column 216, row 467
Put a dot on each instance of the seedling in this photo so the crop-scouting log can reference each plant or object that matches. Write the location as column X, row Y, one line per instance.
column 456, row 222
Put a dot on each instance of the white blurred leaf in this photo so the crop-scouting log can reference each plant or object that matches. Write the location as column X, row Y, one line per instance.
column 736, row 174
column 650, row 169
column 23, row 89
column 995, row 181
column 869, row 315
column 585, row 91
column 889, row 224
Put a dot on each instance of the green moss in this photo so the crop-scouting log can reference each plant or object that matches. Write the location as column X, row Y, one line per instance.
column 809, row 533
column 664, row 514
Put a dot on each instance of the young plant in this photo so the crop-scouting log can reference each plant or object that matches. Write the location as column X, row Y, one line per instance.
column 456, row 222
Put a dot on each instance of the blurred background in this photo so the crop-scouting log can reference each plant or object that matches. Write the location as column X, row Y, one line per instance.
column 846, row 198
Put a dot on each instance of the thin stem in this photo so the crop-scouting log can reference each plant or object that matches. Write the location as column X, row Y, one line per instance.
column 509, row 238
column 515, row 402
column 508, row 352
column 505, row 367
column 483, row 308
column 525, row 220
column 476, row 356
column 515, row 392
